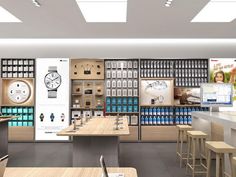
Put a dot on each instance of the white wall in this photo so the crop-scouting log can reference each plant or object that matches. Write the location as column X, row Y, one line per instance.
column 118, row 48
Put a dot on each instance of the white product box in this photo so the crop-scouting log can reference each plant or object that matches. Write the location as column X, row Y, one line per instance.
column 108, row 74
column 118, row 74
column 108, row 64
column 130, row 74
column 108, row 92
column 113, row 92
column 129, row 64
column 113, row 85
column 130, row 93
column 135, row 83
column 113, row 74
column 113, row 64
column 124, row 92
column 118, row 92
column 124, row 73
column 130, row 83
column 135, row 73
column 108, row 83
column 135, row 93
column 135, row 64
column 119, row 83
column 124, row 84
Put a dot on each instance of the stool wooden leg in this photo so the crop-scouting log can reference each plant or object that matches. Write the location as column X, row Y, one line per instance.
column 208, row 163
column 200, row 150
column 194, row 154
column 177, row 147
column 231, row 165
column 181, row 148
column 222, row 165
column 188, row 152
column 217, row 165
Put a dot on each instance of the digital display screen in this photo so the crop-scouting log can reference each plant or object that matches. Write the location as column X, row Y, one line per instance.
column 217, row 94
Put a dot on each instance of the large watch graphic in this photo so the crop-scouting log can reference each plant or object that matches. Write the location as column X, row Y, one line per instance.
column 19, row 92
column 52, row 81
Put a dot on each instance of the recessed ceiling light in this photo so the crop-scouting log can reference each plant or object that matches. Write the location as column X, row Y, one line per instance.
column 36, row 3
column 103, row 10
column 217, row 11
column 6, row 16
column 168, row 2
column 167, row 5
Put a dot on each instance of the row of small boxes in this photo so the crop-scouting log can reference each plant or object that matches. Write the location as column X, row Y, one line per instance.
column 20, row 124
column 122, row 100
column 122, row 108
column 20, row 110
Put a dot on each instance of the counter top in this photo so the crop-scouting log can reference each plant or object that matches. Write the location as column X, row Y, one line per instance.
column 228, row 118
column 98, row 127
column 7, row 118
column 65, row 172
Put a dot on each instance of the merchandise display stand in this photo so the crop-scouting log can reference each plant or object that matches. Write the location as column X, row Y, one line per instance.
column 98, row 136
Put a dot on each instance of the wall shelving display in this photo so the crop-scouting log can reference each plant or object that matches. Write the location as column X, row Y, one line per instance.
column 18, row 96
column 122, row 88
column 186, row 74
column 87, row 87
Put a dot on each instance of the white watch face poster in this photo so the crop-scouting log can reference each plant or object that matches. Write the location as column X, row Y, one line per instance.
column 52, row 98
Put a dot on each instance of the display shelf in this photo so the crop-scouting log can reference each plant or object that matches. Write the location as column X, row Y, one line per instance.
column 77, row 94
column 193, row 105
column 86, row 108
column 122, row 112
column 157, row 105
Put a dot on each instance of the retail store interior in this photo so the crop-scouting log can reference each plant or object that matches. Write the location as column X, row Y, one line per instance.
column 133, row 89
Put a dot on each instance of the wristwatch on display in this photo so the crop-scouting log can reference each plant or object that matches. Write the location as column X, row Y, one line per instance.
column 52, row 81
column 19, row 92
column 52, row 117
column 41, row 117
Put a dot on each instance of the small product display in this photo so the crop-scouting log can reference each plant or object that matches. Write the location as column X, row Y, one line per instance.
column 52, row 81
column 52, row 117
column 87, row 69
column 191, row 73
column 17, row 68
column 156, row 68
column 17, row 92
column 187, row 96
column 122, row 104
column 26, row 115
column 122, row 86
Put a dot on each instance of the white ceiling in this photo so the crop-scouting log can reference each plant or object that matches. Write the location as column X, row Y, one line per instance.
column 146, row 19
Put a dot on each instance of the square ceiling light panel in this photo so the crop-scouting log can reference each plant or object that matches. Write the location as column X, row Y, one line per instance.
column 7, row 17
column 217, row 11
column 103, row 10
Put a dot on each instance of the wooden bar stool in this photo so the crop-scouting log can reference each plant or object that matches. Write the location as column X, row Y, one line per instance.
column 220, row 148
column 234, row 166
column 196, row 138
column 182, row 131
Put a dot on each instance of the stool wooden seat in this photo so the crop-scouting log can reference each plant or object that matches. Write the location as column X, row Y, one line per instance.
column 182, row 131
column 196, row 138
column 220, row 148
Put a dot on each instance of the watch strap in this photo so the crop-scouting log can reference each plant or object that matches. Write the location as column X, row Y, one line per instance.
column 52, row 68
column 52, row 93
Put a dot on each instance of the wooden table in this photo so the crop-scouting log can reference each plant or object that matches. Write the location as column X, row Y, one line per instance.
column 65, row 172
column 4, row 134
column 98, row 137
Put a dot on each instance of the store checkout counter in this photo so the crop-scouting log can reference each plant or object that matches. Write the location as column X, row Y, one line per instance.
column 220, row 126
column 98, row 136
column 4, row 134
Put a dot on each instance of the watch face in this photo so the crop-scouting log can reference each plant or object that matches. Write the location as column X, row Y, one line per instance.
column 19, row 92
column 52, row 80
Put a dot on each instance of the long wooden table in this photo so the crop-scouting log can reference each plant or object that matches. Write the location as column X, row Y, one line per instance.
column 65, row 172
column 4, row 134
column 98, row 137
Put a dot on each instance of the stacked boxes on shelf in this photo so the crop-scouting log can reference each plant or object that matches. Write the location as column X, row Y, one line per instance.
column 168, row 115
column 122, row 88
column 26, row 115
column 191, row 73
column 156, row 68
column 157, row 116
column 17, row 68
